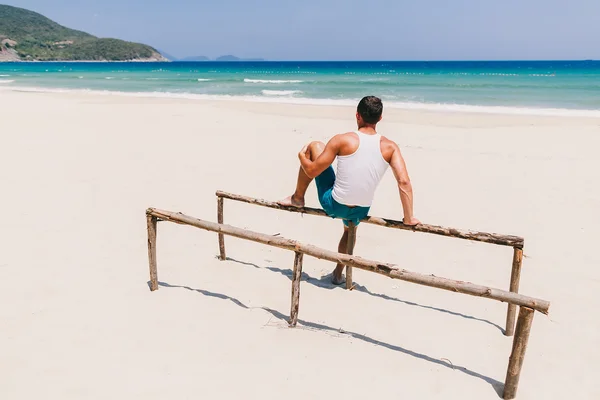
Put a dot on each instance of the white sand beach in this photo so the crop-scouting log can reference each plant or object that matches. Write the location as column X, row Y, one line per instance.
column 78, row 321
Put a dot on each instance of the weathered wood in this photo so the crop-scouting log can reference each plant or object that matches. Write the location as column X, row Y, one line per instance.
column 517, row 356
column 296, row 289
column 389, row 270
column 515, row 277
column 151, row 222
column 350, row 251
column 222, row 255
column 504, row 240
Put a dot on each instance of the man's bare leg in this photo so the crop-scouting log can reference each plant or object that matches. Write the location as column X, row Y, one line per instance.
column 313, row 151
column 338, row 278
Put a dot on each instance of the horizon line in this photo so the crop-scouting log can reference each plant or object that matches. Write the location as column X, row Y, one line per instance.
column 387, row 60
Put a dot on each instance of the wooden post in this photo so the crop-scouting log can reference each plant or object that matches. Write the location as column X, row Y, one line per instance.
column 515, row 277
column 350, row 250
column 296, row 289
column 221, row 236
column 151, row 222
column 517, row 356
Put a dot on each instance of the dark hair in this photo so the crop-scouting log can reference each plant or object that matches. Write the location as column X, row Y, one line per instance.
column 370, row 109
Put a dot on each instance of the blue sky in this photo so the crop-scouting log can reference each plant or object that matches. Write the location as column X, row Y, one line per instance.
column 343, row 29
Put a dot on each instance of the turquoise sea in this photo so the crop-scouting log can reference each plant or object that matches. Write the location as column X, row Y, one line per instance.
column 538, row 87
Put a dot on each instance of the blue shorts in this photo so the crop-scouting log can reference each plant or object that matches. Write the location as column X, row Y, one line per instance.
column 325, row 183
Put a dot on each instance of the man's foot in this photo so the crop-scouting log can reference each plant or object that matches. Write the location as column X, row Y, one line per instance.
column 338, row 280
column 291, row 201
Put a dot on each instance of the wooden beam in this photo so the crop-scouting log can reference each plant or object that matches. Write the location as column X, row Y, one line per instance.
column 515, row 277
column 151, row 223
column 517, row 356
column 504, row 240
column 389, row 270
column 297, row 276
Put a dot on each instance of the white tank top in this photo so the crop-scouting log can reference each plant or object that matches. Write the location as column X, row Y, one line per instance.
column 359, row 174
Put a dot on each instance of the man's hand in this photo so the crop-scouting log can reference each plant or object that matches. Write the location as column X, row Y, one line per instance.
column 302, row 153
column 411, row 222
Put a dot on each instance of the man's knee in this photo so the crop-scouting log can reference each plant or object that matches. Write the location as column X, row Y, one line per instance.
column 315, row 149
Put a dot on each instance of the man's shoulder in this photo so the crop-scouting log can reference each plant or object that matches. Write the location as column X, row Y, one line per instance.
column 388, row 148
column 385, row 139
column 388, row 143
column 345, row 143
column 346, row 137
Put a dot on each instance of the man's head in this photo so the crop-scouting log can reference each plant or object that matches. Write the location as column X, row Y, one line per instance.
column 369, row 111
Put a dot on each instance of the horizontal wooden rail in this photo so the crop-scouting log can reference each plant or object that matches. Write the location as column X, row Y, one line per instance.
column 386, row 269
column 503, row 240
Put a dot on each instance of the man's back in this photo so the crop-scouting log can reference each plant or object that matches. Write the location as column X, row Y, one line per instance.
column 350, row 142
column 361, row 166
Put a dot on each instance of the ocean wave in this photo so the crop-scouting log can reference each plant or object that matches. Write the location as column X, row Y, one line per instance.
column 281, row 92
column 269, row 72
column 418, row 106
column 109, row 77
column 6, row 81
column 272, row 81
column 204, row 80
column 4, row 75
column 374, row 80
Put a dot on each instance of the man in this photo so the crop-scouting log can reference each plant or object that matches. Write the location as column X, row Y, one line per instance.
column 363, row 158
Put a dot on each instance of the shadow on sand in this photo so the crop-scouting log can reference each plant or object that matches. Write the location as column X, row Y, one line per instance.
column 496, row 385
column 325, row 282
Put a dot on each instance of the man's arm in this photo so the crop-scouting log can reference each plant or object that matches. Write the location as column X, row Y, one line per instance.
column 314, row 168
column 404, row 186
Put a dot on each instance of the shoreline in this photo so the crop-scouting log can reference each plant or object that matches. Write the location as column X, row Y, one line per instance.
column 406, row 106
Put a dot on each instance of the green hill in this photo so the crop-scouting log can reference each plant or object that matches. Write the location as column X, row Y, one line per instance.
column 29, row 36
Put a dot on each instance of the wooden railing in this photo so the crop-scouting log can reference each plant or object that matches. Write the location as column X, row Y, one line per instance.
column 515, row 242
column 527, row 304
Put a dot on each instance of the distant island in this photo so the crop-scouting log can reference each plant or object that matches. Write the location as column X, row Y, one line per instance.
column 28, row 36
column 234, row 58
column 222, row 58
column 194, row 58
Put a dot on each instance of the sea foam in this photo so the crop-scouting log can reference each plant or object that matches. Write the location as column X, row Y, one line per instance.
column 280, row 92
column 272, row 81
column 440, row 107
